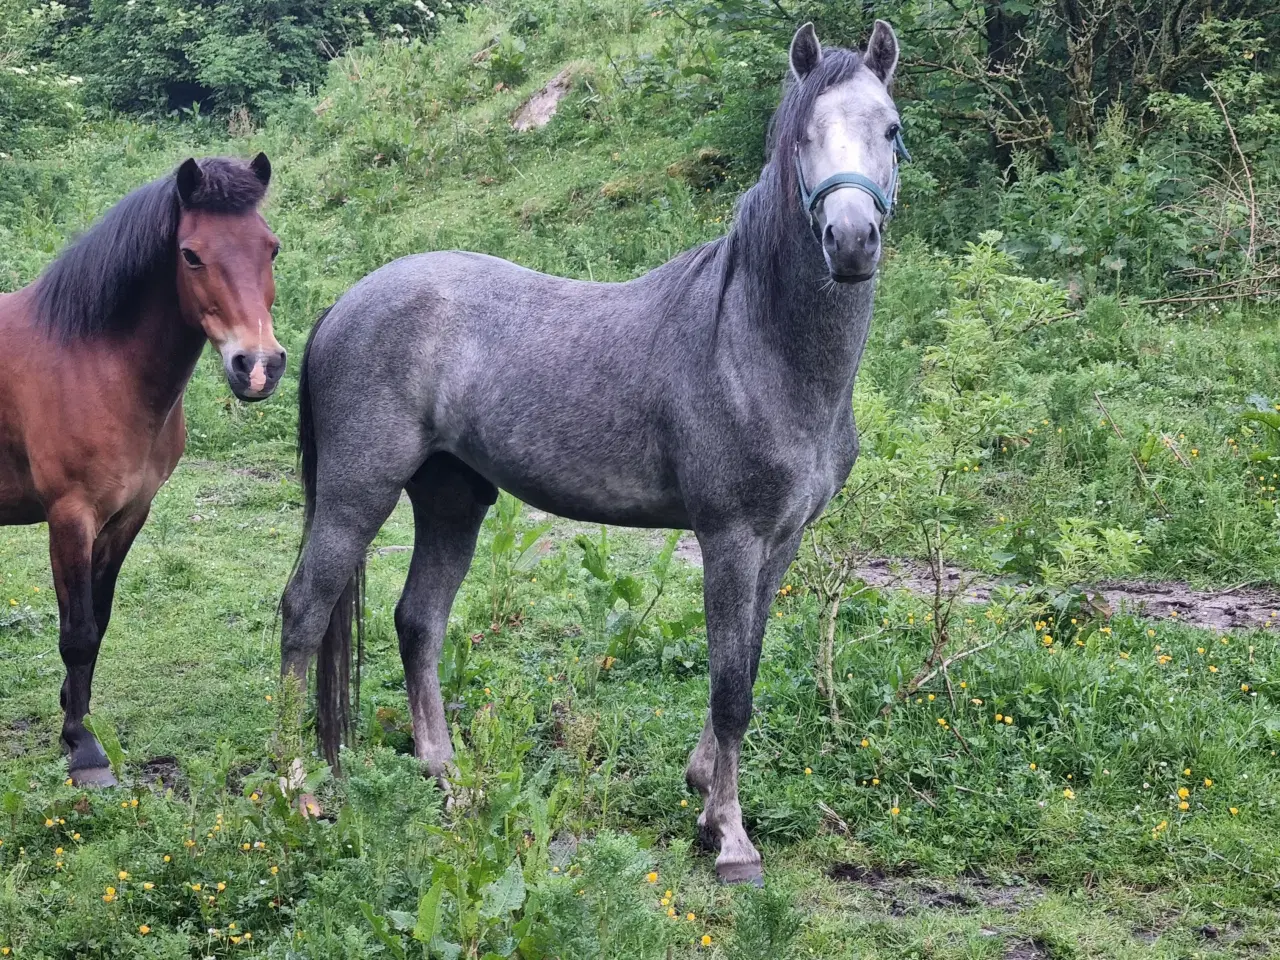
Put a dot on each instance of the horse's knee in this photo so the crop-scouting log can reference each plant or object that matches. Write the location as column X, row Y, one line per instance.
column 731, row 693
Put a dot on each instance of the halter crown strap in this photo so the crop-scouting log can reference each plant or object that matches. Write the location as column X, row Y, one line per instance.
column 882, row 199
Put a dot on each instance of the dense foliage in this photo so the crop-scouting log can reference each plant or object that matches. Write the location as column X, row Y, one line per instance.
column 161, row 55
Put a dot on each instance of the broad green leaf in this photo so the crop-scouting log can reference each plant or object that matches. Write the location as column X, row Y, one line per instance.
column 629, row 589
column 105, row 733
column 428, row 925
column 503, row 895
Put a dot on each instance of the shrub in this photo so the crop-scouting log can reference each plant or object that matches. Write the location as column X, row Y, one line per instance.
column 172, row 53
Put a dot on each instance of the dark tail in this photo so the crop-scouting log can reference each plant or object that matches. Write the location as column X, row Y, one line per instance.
column 334, row 677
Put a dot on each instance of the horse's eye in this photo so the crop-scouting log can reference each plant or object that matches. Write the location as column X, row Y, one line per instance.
column 893, row 131
column 275, row 251
column 191, row 258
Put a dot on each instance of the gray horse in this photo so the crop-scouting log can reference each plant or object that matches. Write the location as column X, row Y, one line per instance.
column 712, row 394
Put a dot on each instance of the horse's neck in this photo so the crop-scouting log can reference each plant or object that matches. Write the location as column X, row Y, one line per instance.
column 162, row 350
column 814, row 327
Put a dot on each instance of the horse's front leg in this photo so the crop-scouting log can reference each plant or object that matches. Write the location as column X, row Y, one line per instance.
column 741, row 573
column 72, row 530
column 698, row 774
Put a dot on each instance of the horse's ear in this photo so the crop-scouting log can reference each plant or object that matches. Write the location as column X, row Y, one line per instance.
column 261, row 168
column 806, row 51
column 882, row 52
column 190, row 177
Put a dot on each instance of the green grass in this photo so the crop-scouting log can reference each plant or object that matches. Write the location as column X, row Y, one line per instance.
column 191, row 659
column 408, row 148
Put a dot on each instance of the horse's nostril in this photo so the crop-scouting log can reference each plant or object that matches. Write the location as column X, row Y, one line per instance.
column 240, row 364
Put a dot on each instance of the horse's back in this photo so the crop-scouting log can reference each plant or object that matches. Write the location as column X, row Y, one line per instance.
column 543, row 384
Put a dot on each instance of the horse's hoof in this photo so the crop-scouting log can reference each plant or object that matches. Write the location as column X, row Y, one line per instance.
column 93, row 777
column 732, row 874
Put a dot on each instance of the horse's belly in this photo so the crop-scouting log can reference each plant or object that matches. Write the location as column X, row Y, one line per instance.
column 626, row 493
column 617, row 512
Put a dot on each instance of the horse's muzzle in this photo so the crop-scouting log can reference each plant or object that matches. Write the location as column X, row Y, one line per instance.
column 852, row 253
column 253, row 374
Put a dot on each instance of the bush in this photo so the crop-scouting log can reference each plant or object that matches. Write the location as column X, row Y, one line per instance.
column 174, row 53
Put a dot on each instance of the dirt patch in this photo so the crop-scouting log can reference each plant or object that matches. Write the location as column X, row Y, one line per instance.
column 940, row 898
column 163, row 773
column 877, row 878
column 900, row 894
column 1240, row 608
column 1026, row 950
column 14, row 736
column 538, row 110
column 259, row 473
column 1009, row 897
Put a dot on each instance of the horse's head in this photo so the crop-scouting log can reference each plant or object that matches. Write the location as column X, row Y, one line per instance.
column 847, row 154
column 225, row 283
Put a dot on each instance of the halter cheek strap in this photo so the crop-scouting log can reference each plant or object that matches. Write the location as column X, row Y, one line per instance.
column 883, row 199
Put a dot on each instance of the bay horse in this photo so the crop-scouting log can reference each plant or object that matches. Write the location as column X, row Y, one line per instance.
column 95, row 357
column 713, row 394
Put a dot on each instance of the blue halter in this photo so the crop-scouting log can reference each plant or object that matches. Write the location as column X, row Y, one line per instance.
column 883, row 199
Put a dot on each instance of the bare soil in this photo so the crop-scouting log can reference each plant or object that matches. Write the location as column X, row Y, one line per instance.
column 538, row 110
column 1248, row 607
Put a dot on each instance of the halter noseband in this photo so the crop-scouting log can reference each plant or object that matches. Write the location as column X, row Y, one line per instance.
column 883, row 199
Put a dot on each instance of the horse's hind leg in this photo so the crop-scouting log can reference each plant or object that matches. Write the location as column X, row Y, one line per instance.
column 349, row 511
column 449, row 504
column 71, row 537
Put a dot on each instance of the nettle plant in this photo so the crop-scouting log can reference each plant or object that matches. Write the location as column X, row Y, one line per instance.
column 919, row 486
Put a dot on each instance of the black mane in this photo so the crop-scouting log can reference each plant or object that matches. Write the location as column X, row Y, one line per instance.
column 770, row 224
column 91, row 290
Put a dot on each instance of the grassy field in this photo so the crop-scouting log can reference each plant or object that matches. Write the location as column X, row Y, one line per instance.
column 1058, row 834
column 1109, row 793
